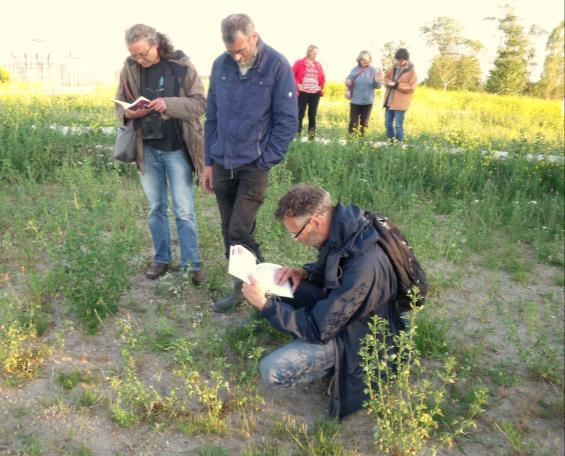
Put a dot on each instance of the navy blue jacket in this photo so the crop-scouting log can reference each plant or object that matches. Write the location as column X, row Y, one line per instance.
column 250, row 118
column 361, row 282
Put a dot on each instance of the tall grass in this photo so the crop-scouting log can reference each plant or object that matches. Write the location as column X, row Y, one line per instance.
column 521, row 198
column 41, row 132
column 80, row 233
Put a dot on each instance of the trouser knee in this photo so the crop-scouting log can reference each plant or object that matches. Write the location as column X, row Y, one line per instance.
column 269, row 374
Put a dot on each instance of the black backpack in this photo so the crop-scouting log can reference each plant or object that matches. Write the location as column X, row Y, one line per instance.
column 408, row 271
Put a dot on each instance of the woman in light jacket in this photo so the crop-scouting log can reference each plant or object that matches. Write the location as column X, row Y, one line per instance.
column 400, row 83
column 361, row 84
column 310, row 81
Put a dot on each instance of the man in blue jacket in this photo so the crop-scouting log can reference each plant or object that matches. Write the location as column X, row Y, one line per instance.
column 251, row 118
column 334, row 298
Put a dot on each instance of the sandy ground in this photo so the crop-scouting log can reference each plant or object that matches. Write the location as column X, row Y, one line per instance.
column 39, row 417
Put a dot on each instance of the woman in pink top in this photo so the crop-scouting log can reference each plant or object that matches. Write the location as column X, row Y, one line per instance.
column 310, row 81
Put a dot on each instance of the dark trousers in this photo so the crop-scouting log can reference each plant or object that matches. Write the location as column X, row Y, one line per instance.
column 359, row 116
column 240, row 193
column 310, row 100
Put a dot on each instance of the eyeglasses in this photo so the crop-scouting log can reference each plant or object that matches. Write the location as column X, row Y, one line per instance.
column 240, row 52
column 141, row 55
column 296, row 235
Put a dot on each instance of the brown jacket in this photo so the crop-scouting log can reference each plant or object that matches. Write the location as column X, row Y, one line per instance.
column 188, row 106
column 400, row 97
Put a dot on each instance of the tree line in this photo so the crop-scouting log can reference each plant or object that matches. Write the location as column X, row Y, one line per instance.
column 456, row 66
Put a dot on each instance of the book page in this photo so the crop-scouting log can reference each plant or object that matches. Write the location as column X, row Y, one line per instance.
column 140, row 103
column 265, row 275
column 242, row 262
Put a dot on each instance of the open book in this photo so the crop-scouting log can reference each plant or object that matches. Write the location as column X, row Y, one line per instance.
column 243, row 262
column 140, row 103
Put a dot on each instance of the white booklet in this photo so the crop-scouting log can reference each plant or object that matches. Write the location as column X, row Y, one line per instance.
column 243, row 262
column 140, row 103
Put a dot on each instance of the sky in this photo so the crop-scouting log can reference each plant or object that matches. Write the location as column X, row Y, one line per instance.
column 93, row 31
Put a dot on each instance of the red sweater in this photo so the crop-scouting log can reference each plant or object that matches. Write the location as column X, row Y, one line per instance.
column 299, row 69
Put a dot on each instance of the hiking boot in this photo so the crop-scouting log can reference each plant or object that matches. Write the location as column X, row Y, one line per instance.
column 197, row 277
column 231, row 301
column 156, row 270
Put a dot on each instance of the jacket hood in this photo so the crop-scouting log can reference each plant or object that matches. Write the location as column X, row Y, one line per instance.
column 350, row 235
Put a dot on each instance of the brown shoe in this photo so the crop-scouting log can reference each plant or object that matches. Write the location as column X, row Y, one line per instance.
column 156, row 270
column 197, row 277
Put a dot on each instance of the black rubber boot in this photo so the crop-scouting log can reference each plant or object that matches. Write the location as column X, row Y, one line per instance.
column 231, row 301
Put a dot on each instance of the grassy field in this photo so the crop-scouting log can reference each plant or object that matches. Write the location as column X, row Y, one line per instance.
column 96, row 360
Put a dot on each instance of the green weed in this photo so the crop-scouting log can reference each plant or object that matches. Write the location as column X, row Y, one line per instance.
column 503, row 374
column 68, row 381
column 322, row 439
column 431, row 338
column 514, row 437
column 263, row 449
column 89, row 398
column 404, row 395
column 212, row 450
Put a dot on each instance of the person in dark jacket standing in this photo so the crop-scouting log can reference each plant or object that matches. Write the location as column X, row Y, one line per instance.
column 334, row 298
column 169, row 141
column 251, row 118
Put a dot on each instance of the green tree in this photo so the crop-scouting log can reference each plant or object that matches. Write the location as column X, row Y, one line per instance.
column 511, row 66
column 455, row 72
column 456, row 65
column 387, row 53
column 552, row 81
column 469, row 78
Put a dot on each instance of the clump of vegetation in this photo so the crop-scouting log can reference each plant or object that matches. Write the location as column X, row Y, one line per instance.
column 21, row 354
column 407, row 399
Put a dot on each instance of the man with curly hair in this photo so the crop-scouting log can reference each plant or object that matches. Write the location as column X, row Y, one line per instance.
column 334, row 297
column 169, row 140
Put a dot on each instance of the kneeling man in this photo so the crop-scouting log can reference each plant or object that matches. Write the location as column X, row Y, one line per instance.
column 334, row 298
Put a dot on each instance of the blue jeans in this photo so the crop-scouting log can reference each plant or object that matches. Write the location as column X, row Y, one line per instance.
column 394, row 118
column 160, row 170
column 299, row 361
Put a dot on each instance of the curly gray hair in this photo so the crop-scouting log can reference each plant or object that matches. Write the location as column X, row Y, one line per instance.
column 140, row 32
column 304, row 201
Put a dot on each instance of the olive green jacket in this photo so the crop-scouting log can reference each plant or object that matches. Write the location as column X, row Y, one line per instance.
column 188, row 106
